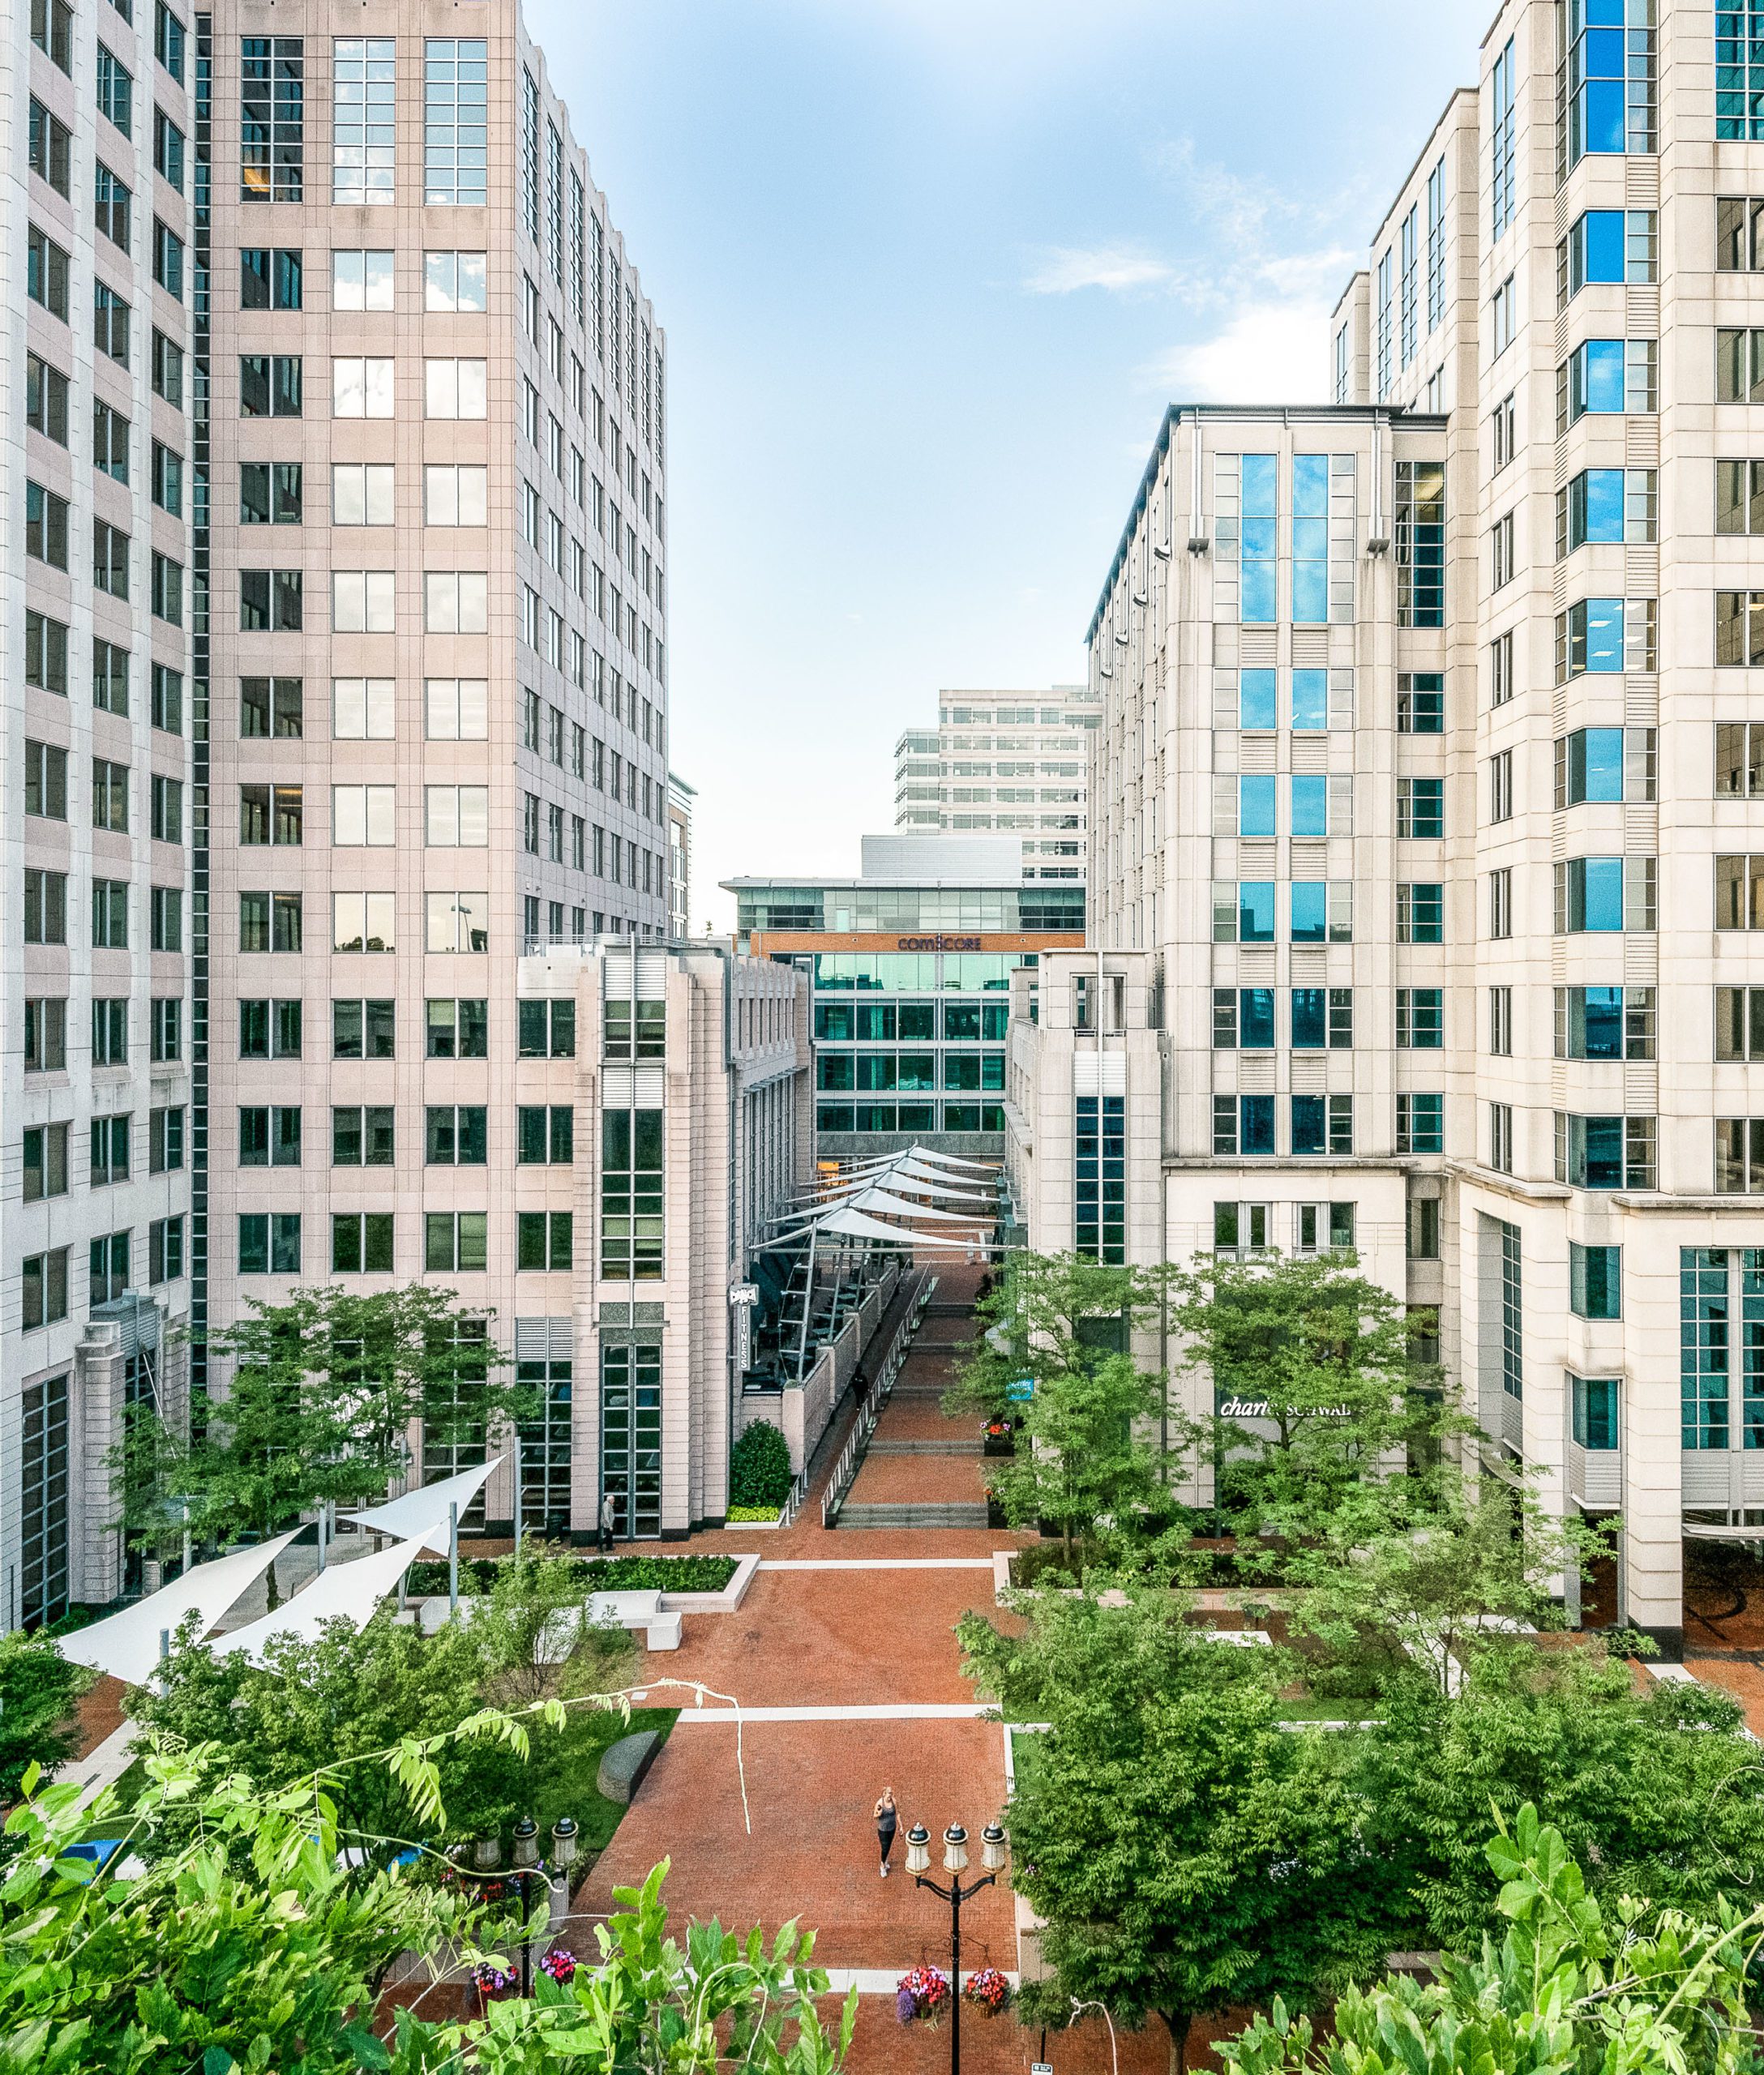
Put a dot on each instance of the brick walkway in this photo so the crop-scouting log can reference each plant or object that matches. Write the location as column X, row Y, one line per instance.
column 850, row 1636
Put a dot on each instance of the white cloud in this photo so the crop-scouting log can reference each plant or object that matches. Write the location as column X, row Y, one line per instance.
column 1065, row 269
column 1267, row 352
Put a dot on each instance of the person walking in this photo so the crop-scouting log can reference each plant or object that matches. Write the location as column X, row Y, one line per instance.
column 609, row 1520
column 886, row 1821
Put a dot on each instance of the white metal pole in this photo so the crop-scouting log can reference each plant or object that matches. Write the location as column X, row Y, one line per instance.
column 517, row 1493
column 453, row 1556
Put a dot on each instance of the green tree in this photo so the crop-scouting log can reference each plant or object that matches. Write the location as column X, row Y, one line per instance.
column 1658, row 1792
column 1187, row 1853
column 1430, row 1571
column 315, row 1709
column 1318, row 1356
column 39, row 1690
column 1566, row 1989
column 327, row 1387
column 536, row 1635
column 760, row 1466
column 1065, row 1324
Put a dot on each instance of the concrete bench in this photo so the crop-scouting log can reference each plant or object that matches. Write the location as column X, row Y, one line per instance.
column 623, row 1766
column 611, row 1609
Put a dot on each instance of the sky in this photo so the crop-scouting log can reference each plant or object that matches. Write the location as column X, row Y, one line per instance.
column 929, row 271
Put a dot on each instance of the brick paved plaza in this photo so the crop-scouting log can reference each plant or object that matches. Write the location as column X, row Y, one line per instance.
column 866, row 1624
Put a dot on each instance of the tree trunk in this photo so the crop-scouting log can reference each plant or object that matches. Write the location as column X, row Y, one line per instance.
column 1180, row 2024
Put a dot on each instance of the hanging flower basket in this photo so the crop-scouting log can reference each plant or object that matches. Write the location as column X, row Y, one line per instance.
column 988, row 1990
column 559, row 1963
column 492, row 1982
column 924, row 1993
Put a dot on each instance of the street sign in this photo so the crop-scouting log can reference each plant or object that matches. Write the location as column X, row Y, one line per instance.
column 1019, row 1392
column 1040, row 2068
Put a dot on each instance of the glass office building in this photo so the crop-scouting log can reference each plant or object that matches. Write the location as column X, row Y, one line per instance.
column 911, row 965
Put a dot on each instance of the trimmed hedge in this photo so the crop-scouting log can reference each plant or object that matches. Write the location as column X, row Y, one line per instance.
column 598, row 1574
column 760, row 1467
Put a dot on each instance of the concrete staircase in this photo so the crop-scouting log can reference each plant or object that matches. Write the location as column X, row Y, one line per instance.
column 927, row 1515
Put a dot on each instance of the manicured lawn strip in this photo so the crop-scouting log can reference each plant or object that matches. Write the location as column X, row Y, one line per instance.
column 561, row 1777
column 599, row 1573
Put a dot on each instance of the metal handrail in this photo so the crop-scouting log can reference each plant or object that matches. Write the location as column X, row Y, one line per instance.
column 857, row 1441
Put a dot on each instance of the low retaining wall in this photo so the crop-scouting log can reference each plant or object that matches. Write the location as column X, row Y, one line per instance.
column 803, row 1412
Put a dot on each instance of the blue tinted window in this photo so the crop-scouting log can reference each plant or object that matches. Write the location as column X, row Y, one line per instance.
column 1602, row 1165
column 1256, row 805
column 1597, row 378
column 1310, row 806
column 1604, row 633
column 1595, row 765
column 1308, row 1124
column 1261, row 477
column 1595, row 894
column 1255, row 911
column 1310, row 911
column 1310, row 485
column 1602, row 245
column 1255, row 1123
column 1596, row 506
column 1257, row 699
column 1310, row 1020
column 1603, row 1023
column 1255, row 1019
column 1310, row 697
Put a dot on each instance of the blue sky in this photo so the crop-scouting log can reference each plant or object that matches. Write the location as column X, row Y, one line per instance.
column 930, row 271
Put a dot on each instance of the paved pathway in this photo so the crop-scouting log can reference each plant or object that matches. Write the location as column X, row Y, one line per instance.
column 844, row 1659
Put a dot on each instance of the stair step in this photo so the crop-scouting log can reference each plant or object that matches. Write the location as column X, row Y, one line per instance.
column 956, row 1445
column 911, row 1515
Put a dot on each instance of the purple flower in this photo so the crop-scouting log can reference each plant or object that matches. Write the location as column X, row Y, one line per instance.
column 905, row 2008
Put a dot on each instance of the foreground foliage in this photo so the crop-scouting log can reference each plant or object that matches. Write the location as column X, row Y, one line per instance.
column 1567, row 1987
column 248, row 1947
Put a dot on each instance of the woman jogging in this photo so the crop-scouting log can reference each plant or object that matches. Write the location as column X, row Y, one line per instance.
column 885, row 1822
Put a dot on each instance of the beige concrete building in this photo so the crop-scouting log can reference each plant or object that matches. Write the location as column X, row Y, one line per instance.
column 1002, row 761
column 334, row 439
column 678, row 1079
column 1530, row 947
column 97, row 611
column 681, row 797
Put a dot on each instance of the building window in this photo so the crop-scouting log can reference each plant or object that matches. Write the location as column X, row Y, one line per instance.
column 1501, row 786
column 1594, row 1281
column 530, row 155
column 271, row 117
column 1384, row 326
column 50, row 149
column 1321, row 1017
column 1503, row 314
column 1712, row 1327
column 361, row 1243
column 269, row 1242
column 1594, row 1413
column 1239, row 1230
column 1243, row 1125
column 1605, row 1153
column 1604, row 1023
column 1739, row 70
column 1420, row 543
column 1608, row 894
column 1100, row 1196
column 1615, row 506
column 1604, row 765
column 1408, row 285
column 111, row 199
column 169, row 41
column 1421, row 808
column 44, row 1477
column 1420, row 914
column 1322, row 1125
column 1610, row 79
column 46, row 274
column 1512, row 1309
column 1421, row 1019
column 1436, row 257
column 1501, row 1137
column 46, row 532
column 1245, row 549
column 45, row 1161
column 364, row 120
column 631, row 1436
column 456, row 123
column 1503, row 130
column 1420, row 703
column 455, row 281
column 1421, row 1123
column 1421, row 1239
column 545, row 1136
column 1609, row 635
column 1611, row 245
column 270, row 1029
column 545, row 1240
column 1610, row 377
column 270, row 921
column 632, row 1235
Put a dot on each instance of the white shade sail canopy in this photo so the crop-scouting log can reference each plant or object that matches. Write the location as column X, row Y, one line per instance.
column 126, row 1645
column 849, row 1224
column 894, row 1206
column 350, row 1592
column 421, row 1515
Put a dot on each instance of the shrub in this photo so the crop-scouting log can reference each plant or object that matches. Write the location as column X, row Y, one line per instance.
column 760, row 1467
column 478, row 1574
column 737, row 1515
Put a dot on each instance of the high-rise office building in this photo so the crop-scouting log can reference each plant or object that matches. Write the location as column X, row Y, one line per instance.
column 1423, row 867
column 999, row 761
column 360, row 696
column 681, row 797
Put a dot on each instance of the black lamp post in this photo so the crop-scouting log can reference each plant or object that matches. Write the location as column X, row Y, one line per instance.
column 994, row 1856
column 526, row 1857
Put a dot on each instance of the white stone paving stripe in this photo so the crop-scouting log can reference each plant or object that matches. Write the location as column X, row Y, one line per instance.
column 875, row 1563
column 906, row 1711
